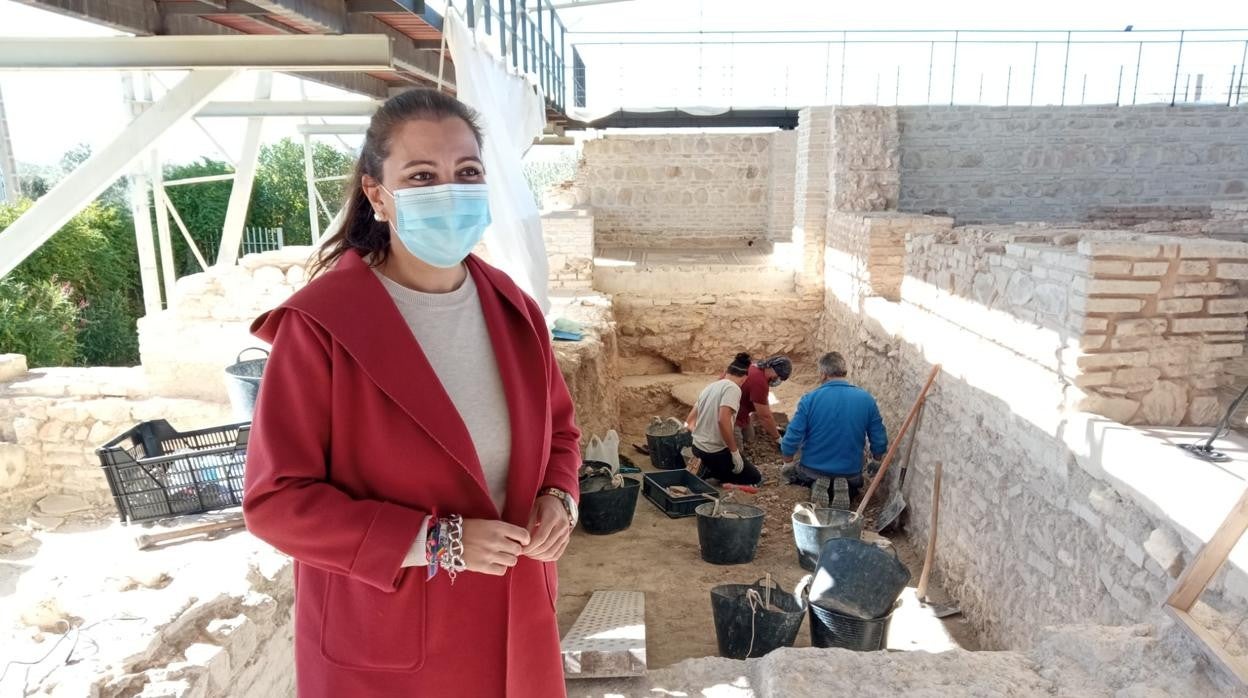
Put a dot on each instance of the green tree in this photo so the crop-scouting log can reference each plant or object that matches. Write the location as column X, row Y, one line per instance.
column 280, row 199
column 202, row 207
column 76, row 298
column 39, row 320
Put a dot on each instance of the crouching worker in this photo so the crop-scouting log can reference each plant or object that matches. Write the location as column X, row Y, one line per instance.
column 830, row 428
column 711, row 421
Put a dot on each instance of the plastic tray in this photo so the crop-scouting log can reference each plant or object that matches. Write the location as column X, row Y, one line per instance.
column 156, row 471
column 676, row 507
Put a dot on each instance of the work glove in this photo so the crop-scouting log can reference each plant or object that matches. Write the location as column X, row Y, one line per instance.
column 873, row 467
column 738, row 463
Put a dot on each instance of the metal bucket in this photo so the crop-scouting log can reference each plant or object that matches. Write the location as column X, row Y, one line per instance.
column 809, row 538
column 242, row 382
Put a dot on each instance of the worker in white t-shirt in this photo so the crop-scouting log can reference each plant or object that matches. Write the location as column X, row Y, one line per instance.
column 712, row 420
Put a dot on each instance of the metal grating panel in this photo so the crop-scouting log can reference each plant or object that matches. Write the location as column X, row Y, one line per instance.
column 609, row 637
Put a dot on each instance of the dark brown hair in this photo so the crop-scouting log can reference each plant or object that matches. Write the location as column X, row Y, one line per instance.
column 740, row 365
column 359, row 231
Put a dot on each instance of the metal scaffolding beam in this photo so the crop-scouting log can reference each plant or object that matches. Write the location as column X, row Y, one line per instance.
column 244, row 178
column 291, row 108
column 331, row 129
column 285, row 53
column 93, row 176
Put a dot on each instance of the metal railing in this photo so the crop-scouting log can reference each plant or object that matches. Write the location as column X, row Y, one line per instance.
column 803, row 67
column 532, row 37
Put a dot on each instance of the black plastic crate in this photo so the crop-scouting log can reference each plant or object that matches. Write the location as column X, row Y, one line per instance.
column 156, row 471
column 654, row 488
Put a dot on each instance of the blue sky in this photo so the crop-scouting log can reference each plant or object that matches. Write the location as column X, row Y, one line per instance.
column 51, row 112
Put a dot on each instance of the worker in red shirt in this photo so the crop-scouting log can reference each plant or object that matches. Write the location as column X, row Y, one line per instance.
column 755, row 398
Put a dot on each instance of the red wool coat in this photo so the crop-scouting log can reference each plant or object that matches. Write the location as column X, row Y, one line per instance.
column 354, row 441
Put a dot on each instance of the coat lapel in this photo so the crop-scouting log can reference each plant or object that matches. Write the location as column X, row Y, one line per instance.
column 522, row 364
column 354, row 307
column 358, row 311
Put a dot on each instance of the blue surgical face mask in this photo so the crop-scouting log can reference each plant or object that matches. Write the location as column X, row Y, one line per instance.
column 441, row 224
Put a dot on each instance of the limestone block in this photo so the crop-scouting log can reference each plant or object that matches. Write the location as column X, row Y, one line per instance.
column 1113, row 305
column 12, row 465
column 1229, row 270
column 1222, row 324
column 1121, row 410
column 296, row 276
column 1166, row 550
column 12, row 366
column 217, row 662
column 1204, row 411
column 1150, row 268
column 1136, row 379
column 62, row 505
column 1146, row 326
column 1198, row 267
column 1110, row 267
column 1199, row 288
column 1112, row 287
column 1227, row 306
column 112, row 410
column 1165, row 405
column 1174, row 306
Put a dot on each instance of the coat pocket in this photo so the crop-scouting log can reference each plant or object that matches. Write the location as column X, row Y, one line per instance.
column 551, row 571
column 366, row 628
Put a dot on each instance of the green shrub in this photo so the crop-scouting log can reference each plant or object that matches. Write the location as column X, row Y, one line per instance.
column 107, row 331
column 38, row 319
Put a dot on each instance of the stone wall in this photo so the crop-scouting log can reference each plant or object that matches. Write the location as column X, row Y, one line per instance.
column 1163, row 318
column 569, row 237
column 53, row 419
column 186, row 347
column 1038, row 528
column 701, row 334
column 680, row 190
column 1002, row 164
column 781, row 186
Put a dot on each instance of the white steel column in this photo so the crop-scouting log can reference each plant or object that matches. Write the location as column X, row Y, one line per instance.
column 244, row 178
column 8, row 164
column 309, row 173
column 142, row 215
column 93, row 176
column 162, row 228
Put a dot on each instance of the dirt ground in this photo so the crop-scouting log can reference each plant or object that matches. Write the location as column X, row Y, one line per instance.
column 660, row 557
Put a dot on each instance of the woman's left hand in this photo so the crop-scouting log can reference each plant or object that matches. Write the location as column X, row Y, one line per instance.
column 549, row 529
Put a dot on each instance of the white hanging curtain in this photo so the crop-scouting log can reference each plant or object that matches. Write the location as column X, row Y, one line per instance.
column 513, row 113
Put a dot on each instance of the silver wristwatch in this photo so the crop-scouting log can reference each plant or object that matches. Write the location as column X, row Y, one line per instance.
column 569, row 504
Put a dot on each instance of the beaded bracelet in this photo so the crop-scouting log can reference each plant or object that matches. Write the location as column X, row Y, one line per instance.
column 433, row 547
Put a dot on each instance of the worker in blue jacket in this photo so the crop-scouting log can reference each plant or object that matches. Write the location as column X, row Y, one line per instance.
column 830, row 429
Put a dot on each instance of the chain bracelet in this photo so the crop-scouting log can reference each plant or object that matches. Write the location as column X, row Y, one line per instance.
column 453, row 550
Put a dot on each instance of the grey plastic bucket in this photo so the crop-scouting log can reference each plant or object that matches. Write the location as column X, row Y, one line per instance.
column 833, row 523
column 242, row 382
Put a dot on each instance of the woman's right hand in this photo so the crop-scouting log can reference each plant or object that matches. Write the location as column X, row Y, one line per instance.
column 492, row 547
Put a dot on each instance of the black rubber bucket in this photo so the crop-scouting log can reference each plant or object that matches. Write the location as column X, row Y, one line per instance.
column 242, row 383
column 608, row 510
column 857, row 579
column 666, row 439
column 831, row 629
column 729, row 540
column 809, row 538
column 744, row 629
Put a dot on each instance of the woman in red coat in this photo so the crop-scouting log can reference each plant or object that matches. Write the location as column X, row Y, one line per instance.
column 414, row 447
